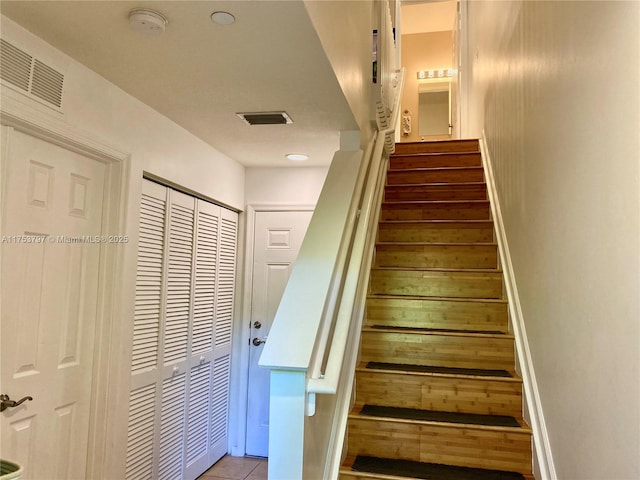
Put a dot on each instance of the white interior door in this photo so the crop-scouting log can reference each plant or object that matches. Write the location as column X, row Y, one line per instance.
column 52, row 217
column 277, row 240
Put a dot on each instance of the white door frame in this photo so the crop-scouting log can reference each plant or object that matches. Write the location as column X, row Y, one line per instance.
column 18, row 117
column 241, row 348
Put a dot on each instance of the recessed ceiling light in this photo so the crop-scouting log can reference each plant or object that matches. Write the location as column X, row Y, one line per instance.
column 297, row 157
column 222, row 18
column 147, row 22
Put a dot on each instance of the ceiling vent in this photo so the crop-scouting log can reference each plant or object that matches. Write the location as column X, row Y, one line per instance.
column 30, row 75
column 265, row 118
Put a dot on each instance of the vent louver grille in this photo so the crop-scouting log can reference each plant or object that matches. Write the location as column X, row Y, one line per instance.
column 30, row 74
column 15, row 66
column 266, row 118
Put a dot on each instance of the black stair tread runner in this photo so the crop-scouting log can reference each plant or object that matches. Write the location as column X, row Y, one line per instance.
column 480, row 372
column 435, row 330
column 437, row 416
column 428, row 471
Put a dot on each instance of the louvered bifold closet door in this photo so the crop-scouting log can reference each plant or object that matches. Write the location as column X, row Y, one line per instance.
column 225, row 295
column 142, row 453
column 180, row 380
column 198, row 451
column 175, row 339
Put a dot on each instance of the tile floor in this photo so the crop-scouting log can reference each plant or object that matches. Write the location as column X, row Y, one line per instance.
column 237, row 468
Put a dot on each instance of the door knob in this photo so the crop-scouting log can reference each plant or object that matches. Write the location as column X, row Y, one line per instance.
column 6, row 402
column 259, row 341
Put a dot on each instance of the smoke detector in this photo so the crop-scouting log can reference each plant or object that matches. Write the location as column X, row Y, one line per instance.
column 148, row 22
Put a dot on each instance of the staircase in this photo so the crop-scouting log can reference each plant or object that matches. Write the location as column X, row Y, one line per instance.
column 437, row 396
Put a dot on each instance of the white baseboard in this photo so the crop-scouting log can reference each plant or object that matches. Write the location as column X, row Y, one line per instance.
column 543, row 458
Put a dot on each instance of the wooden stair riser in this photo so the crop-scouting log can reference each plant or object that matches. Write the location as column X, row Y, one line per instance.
column 439, row 350
column 452, row 445
column 437, row 313
column 438, row 191
column 434, row 160
column 462, row 284
column 437, row 256
column 436, row 231
column 439, row 392
column 447, row 146
column 435, row 175
column 471, row 210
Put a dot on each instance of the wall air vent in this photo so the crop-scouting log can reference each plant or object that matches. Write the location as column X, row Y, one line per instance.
column 30, row 75
column 265, row 118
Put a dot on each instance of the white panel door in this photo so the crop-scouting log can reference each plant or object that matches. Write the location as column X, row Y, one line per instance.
column 51, row 244
column 277, row 240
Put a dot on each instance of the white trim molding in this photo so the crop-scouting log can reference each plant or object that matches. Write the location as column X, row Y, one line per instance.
column 543, row 459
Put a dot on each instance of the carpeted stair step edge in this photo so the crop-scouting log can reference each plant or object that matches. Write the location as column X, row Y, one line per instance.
column 428, row 471
column 434, row 369
column 438, row 416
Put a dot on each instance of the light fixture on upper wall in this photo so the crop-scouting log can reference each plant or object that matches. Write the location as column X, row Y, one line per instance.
column 147, row 22
column 436, row 73
column 222, row 18
column 297, row 157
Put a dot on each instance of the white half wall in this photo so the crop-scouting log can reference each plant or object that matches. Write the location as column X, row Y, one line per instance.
column 556, row 88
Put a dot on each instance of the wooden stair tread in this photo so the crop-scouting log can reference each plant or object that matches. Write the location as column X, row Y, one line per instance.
column 435, row 417
column 437, row 244
column 392, row 469
column 434, row 202
column 421, row 169
column 442, row 269
column 430, row 370
column 437, row 299
column 432, row 154
column 435, row 184
column 435, row 331
column 437, row 221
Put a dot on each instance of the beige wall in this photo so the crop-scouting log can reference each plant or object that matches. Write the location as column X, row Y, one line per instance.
column 345, row 29
column 422, row 51
column 555, row 87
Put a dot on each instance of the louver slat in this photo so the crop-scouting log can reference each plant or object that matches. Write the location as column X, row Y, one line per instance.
column 172, row 428
column 139, row 464
column 178, row 283
column 198, row 418
column 146, row 321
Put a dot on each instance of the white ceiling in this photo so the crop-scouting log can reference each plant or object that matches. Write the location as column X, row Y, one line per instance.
column 419, row 16
column 200, row 74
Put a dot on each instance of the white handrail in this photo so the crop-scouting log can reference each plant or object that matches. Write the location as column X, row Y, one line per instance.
column 327, row 383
